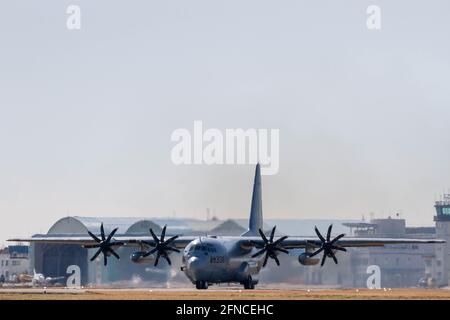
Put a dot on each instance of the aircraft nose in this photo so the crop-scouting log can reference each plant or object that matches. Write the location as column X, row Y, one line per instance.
column 193, row 263
column 195, row 267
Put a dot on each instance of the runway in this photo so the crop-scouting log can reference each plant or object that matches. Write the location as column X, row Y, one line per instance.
column 220, row 294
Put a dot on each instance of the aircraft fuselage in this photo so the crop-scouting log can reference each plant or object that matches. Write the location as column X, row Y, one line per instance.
column 216, row 260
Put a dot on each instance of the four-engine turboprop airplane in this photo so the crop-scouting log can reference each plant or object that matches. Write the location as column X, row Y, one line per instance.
column 215, row 259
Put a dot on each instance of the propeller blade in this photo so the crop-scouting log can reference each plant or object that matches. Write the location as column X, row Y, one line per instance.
column 282, row 250
column 316, row 253
column 260, row 252
column 163, row 233
column 329, row 232
column 263, row 236
column 270, row 247
column 172, row 248
column 94, row 237
column 161, row 246
column 150, row 252
column 157, row 259
column 276, row 260
column 334, row 258
column 96, row 254
column 280, row 240
column 154, row 236
column 113, row 253
column 319, row 235
column 265, row 260
column 328, row 246
column 171, row 239
column 323, row 259
column 102, row 232
column 111, row 235
column 272, row 234
column 339, row 248
column 104, row 244
column 337, row 238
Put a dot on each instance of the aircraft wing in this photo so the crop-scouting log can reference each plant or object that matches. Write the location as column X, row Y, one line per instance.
column 86, row 240
column 183, row 241
column 54, row 279
column 302, row 242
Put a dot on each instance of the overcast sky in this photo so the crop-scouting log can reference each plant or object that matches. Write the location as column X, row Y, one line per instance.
column 86, row 116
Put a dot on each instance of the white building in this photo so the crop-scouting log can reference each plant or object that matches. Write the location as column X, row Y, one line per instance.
column 13, row 261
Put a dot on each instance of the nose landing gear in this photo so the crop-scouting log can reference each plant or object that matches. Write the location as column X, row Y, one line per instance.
column 248, row 283
column 201, row 285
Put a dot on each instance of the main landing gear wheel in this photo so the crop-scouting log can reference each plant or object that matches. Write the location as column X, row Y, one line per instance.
column 249, row 284
column 201, row 285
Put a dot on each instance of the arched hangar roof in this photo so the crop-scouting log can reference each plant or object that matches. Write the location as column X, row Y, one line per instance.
column 80, row 225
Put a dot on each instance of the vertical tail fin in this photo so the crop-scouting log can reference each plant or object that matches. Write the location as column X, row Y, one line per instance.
column 256, row 217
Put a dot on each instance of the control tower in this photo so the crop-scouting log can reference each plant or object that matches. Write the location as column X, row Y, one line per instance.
column 442, row 220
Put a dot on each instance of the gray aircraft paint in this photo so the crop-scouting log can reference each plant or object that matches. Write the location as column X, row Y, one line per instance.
column 256, row 215
column 225, row 260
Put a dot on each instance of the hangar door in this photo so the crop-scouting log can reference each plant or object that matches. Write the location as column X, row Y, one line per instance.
column 56, row 259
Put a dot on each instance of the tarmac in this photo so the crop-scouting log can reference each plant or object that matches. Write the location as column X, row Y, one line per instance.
column 231, row 293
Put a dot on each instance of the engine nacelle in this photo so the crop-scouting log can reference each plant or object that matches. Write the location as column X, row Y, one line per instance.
column 305, row 260
column 138, row 257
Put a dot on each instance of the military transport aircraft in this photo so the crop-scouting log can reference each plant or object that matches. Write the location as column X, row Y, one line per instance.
column 215, row 259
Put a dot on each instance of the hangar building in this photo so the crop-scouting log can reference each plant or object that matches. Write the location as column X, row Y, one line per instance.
column 53, row 259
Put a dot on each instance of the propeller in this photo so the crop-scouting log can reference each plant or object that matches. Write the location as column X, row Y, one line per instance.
column 161, row 247
column 270, row 247
column 104, row 245
column 328, row 246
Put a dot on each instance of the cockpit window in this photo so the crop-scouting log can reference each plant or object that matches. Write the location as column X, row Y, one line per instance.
column 204, row 248
column 201, row 247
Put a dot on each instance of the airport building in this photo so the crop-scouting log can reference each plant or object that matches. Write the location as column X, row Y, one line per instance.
column 54, row 259
column 400, row 265
column 442, row 219
column 13, row 261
